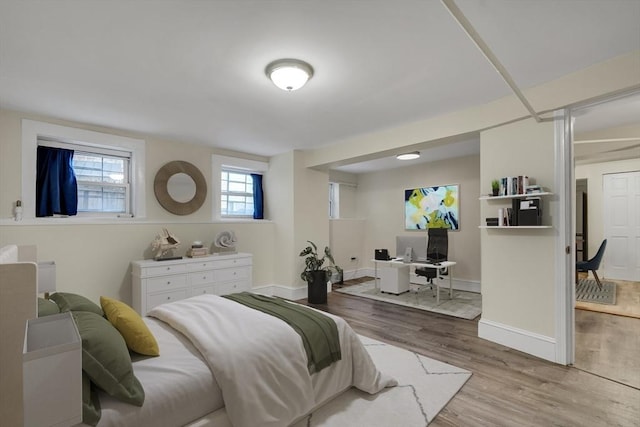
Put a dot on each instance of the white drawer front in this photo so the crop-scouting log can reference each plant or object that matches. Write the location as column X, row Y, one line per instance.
column 231, row 288
column 201, row 277
column 166, row 283
column 163, row 269
column 157, row 299
column 227, row 274
column 234, row 262
column 209, row 289
column 210, row 264
column 201, row 265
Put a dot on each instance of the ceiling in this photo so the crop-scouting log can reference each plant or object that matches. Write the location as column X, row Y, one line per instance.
column 193, row 71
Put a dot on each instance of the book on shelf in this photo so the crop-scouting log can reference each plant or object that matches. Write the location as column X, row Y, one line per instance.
column 513, row 185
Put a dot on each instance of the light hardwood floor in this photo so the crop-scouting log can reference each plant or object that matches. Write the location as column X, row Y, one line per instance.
column 507, row 388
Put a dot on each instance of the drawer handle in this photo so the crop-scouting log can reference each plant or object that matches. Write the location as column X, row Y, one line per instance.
column 234, row 273
column 168, row 282
column 168, row 298
column 204, row 277
column 168, row 268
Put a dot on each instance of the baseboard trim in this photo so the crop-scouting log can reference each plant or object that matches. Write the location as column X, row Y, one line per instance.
column 285, row 292
column 529, row 342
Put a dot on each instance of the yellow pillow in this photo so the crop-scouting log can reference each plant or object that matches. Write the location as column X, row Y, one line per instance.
column 131, row 326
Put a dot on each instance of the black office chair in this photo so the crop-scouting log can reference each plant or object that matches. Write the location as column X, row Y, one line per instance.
column 437, row 251
column 593, row 264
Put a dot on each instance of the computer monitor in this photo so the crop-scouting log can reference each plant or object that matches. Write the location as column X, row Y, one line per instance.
column 417, row 244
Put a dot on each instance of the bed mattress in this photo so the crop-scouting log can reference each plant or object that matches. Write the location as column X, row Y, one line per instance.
column 178, row 384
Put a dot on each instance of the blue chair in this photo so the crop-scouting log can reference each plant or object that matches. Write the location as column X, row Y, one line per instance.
column 593, row 264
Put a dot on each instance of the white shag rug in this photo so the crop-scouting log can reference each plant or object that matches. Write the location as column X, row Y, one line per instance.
column 425, row 386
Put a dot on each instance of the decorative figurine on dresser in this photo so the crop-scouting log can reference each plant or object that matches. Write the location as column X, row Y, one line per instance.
column 164, row 244
column 225, row 241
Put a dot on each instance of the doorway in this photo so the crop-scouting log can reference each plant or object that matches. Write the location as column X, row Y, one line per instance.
column 606, row 142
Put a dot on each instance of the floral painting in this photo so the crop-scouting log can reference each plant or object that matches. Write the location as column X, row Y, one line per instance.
column 432, row 207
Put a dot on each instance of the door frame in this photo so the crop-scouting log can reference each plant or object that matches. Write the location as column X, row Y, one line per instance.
column 566, row 240
column 565, row 211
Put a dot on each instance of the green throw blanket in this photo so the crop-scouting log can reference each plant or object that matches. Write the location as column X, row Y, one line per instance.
column 319, row 333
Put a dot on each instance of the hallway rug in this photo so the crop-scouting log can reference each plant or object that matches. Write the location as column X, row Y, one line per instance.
column 425, row 386
column 587, row 290
column 627, row 301
column 465, row 305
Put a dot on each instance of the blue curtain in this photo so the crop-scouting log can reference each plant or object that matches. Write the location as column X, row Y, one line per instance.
column 258, row 201
column 56, row 185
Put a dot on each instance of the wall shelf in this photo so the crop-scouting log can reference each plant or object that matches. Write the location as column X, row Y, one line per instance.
column 515, row 226
column 515, row 196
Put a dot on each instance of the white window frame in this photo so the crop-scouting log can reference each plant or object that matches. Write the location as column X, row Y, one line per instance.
column 334, row 200
column 230, row 193
column 33, row 130
column 235, row 163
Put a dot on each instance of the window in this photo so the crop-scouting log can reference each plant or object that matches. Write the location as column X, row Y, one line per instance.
column 333, row 200
column 236, row 194
column 103, row 182
column 109, row 169
column 240, row 193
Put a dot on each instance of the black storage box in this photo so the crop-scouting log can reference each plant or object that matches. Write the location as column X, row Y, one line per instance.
column 529, row 212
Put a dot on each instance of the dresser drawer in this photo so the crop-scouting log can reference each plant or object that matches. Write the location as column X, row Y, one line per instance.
column 231, row 288
column 227, row 274
column 161, row 270
column 208, row 264
column 200, row 290
column 233, row 262
column 201, row 277
column 157, row 299
column 166, row 283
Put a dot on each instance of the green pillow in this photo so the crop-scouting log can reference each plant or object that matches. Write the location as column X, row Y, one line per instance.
column 47, row 308
column 91, row 411
column 74, row 302
column 106, row 359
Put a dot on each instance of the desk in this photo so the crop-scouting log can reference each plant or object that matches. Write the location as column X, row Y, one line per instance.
column 394, row 277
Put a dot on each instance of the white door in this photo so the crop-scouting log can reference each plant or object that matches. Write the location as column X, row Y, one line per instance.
column 621, row 197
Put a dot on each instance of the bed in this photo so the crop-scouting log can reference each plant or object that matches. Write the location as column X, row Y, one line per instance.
column 214, row 350
column 181, row 390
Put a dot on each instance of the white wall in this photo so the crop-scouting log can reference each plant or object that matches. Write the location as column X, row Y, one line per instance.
column 380, row 202
column 346, row 239
column 93, row 259
column 518, row 266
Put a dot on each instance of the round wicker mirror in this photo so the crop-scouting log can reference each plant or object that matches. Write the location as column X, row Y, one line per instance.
column 175, row 180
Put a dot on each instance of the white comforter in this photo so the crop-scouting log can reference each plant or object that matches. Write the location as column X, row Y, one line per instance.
column 260, row 364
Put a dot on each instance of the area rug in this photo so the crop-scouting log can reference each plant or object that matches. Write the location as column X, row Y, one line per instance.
column 587, row 290
column 425, row 386
column 465, row 305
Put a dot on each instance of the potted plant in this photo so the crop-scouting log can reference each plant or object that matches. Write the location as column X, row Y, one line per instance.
column 315, row 273
column 495, row 187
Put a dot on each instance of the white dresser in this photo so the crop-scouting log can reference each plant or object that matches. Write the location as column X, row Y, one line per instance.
column 157, row 282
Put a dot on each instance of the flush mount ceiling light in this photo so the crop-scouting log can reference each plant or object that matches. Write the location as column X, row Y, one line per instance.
column 289, row 74
column 408, row 156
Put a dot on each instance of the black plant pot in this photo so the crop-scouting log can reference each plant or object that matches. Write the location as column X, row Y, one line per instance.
column 317, row 289
column 494, row 191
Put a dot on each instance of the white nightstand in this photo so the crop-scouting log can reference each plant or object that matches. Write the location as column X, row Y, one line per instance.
column 52, row 372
